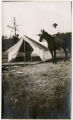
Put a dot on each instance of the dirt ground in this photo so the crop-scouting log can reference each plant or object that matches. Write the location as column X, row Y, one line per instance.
column 37, row 90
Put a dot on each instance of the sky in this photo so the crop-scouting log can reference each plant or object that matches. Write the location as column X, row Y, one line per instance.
column 34, row 16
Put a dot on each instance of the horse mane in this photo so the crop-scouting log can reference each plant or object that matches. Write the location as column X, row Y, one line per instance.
column 48, row 35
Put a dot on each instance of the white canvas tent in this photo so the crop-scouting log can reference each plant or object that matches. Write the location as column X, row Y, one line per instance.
column 38, row 49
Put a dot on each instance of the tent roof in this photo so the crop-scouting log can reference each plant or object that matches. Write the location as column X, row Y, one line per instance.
column 38, row 44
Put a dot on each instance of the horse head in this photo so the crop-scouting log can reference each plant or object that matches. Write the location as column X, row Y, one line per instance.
column 42, row 35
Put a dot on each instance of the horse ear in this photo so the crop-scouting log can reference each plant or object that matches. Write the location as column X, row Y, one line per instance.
column 41, row 30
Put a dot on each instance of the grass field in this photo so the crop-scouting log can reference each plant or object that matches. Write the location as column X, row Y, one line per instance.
column 37, row 90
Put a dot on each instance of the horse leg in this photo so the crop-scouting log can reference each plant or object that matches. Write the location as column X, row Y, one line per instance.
column 52, row 56
column 70, row 53
column 66, row 55
column 55, row 57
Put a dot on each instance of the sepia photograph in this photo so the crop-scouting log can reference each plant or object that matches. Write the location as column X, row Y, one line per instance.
column 36, row 59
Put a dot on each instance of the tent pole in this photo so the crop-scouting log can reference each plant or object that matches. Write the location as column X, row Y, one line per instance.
column 31, row 58
column 24, row 52
column 43, row 55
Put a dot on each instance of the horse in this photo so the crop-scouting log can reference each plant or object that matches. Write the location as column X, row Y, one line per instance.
column 54, row 44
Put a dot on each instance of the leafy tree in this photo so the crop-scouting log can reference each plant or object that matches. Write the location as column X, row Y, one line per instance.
column 55, row 25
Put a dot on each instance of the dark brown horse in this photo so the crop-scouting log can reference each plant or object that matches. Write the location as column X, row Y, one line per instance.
column 54, row 44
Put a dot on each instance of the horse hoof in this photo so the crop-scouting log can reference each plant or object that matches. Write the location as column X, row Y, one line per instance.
column 53, row 62
column 64, row 60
